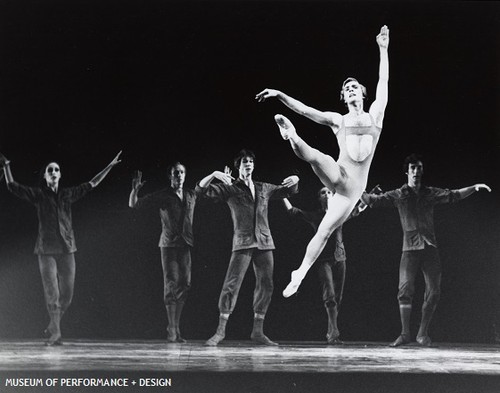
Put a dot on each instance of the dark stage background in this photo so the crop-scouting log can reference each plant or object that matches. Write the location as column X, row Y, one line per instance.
column 167, row 81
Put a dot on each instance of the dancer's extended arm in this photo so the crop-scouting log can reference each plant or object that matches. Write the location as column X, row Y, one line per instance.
column 325, row 118
column 467, row 191
column 362, row 205
column 101, row 175
column 378, row 106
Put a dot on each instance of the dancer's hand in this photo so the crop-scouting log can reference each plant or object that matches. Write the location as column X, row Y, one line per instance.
column 482, row 186
column 225, row 177
column 383, row 37
column 265, row 94
column 290, row 181
column 3, row 160
column 116, row 160
column 137, row 182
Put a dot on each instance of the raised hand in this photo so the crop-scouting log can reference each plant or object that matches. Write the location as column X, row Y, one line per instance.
column 3, row 159
column 225, row 177
column 290, row 181
column 265, row 94
column 383, row 37
column 482, row 186
column 137, row 182
column 116, row 160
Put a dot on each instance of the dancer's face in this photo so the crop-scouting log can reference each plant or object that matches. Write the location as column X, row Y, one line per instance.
column 415, row 172
column 52, row 174
column 352, row 92
column 246, row 166
column 177, row 176
column 323, row 195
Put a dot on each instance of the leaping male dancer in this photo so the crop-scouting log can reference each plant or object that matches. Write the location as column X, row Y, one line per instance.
column 357, row 134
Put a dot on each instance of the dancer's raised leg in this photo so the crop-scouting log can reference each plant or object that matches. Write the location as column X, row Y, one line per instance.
column 323, row 165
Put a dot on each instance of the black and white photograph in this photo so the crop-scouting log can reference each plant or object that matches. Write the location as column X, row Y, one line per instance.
column 249, row 196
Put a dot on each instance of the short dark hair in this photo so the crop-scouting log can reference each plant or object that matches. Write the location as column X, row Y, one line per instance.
column 411, row 159
column 350, row 79
column 242, row 154
column 171, row 168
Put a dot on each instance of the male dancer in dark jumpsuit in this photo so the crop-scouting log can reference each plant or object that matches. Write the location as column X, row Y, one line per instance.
column 415, row 203
column 176, row 206
column 252, row 240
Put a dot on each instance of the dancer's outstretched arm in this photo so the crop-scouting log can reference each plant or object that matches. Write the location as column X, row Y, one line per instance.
column 101, row 175
column 362, row 205
column 325, row 118
column 378, row 106
column 468, row 191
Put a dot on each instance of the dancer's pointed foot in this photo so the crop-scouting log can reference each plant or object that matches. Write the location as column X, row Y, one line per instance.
column 401, row 340
column 286, row 127
column 214, row 340
column 424, row 341
column 294, row 284
column 262, row 339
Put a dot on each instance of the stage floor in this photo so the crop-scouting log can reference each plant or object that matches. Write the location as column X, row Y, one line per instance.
column 235, row 366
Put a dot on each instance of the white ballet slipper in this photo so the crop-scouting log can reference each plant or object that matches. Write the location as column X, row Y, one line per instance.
column 286, row 127
column 294, row 284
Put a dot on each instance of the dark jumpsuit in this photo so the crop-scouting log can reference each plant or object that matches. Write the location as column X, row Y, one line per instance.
column 416, row 213
column 55, row 244
column 176, row 240
column 252, row 240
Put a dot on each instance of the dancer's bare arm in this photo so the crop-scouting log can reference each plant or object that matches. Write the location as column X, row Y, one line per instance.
column 101, row 175
column 468, row 191
column 362, row 205
column 377, row 109
column 225, row 177
column 325, row 118
column 137, row 184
